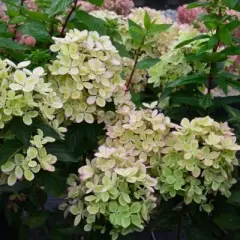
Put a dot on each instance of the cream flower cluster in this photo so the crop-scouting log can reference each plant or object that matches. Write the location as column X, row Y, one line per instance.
column 142, row 132
column 86, row 74
column 197, row 162
column 27, row 164
column 173, row 64
column 25, row 93
column 114, row 185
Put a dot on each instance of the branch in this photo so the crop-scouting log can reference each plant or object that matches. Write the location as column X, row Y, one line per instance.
column 135, row 64
column 68, row 18
column 17, row 25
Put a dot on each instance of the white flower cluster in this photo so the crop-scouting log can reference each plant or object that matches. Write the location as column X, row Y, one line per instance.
column 25, row 93
column 86, row 74
column 28, row 163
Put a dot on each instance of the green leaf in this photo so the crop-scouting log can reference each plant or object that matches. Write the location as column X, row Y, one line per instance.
column 4, row 32
column 37, row 196
column 48, row 131
column 206, row 101
column 231, row 3
column 121, row 49
column 137, row 32
column 7, row 43
column 198, row 79
column 98, row 3
column 233, row 25
column 222, row 84
column 18, row 187
column 59, row 150
column 234, row 114
column 8, row 149
column 147, row 20
column 235, row 195
column 228, row 221
column 192, row 40
column 147, row 63
column 225, row 35
column 21, row 130
column 36, row 219
column 53, row 184
column 92, row 23
column 35, row 29
column 191, row 101
column 37, row 16
column 234, row 84
column 18, row 19
column 158, row 28
column 82, row 138
column 197, row 5
column 231, row 51
column 58, row 6
column 219, row 102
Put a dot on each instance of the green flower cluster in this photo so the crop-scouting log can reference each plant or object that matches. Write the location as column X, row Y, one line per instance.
column 114, row 186
column 174, row 65
column 86, row 74
column 25, row 93
column 28, row 163
column 197, row 162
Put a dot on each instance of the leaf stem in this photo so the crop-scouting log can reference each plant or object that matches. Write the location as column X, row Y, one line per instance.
column 17, row 25
column 68, row 18
column 138, row 53
column 212, row 65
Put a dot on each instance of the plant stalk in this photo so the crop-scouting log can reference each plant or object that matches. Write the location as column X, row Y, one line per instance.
column 68, row 18
column 17, row 25
column 138, row 53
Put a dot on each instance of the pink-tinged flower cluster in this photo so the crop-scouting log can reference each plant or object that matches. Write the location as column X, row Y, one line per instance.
column 31, row 4
column 188, row 15
column 23, row 39
column 121, row 7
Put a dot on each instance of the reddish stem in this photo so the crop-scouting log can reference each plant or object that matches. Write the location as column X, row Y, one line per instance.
column 138, row 53
column 68, row 18
column 17, row 25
